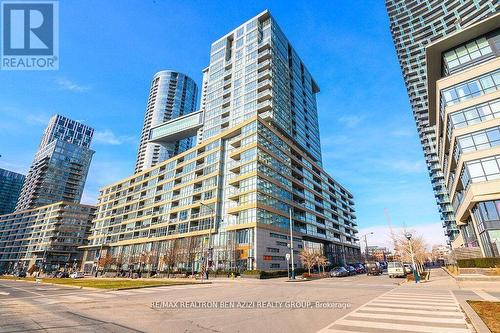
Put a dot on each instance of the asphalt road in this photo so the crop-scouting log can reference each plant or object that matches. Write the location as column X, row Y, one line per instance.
column 240, row 305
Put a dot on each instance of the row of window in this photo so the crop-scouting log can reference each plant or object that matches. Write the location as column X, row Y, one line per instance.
column 479, row 140
column 474, row 115
column 472, row 88
column 484, row 169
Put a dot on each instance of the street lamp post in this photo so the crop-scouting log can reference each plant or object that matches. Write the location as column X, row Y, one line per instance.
column 415, row 272
column 209, row 237
column 291, row 244
column 366, row 244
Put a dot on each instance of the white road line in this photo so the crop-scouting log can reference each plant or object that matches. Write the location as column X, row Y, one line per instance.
column 402, row 327
column 47, row 301
column 410, row 294
column 414, row 301
column 327, row 330
column 409, row 306
column 73, row 298
column 417, row 317
column 413, row 311
column 22, row 289
column 121, row 293
column 143, row 290
column 485, row 295
column 4, row 293
column 104, row 295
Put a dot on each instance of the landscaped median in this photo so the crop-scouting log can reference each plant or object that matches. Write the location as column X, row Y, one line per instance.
column 102, row 283
column 489, row 312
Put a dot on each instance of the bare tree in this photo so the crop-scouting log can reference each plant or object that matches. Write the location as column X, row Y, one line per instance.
column 418, row 247
column 321, row 261
column 308, row 258
column 169, row 258
column 106, row 261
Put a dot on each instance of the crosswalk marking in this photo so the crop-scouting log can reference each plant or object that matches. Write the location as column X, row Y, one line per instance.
column 408, row 317
column 413, row 311
column 404, row 310
column 415, row 301
column 402, row 327
column 414, row 306
column 485, row 295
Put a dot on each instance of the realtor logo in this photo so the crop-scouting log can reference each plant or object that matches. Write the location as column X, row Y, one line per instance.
column 30, row 36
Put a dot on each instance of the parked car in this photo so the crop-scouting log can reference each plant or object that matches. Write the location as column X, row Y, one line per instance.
column 77, row 275
column 395, row 269
column 339, row 272
column 407, row 268
column 360, row 269
column 351, row 270
column 62, row 275
column 373, row 268
column 21, row 274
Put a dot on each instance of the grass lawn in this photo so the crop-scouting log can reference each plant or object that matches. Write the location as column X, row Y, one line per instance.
column 106, row 283
column 489, row 313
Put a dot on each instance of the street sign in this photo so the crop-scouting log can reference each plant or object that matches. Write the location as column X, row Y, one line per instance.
column 287, row 256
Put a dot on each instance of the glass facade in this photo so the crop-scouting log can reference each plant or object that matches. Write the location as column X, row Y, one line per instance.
column 473, row 115
column 471, row 53
column 481, row 170
column 60, row 166
column 414, row 25
column 475, row 141
column 256, row 163
column 172, row 95
column 47, row 236
column 487, row 216
column 254, row 70
column 472, row 88
column 11, row 184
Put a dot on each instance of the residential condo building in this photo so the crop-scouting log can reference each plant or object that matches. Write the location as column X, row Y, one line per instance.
column 60, row 166
column 463, row 77
column 254, row 174
column 414, row 25
column 172, row 95
column 47, row 236
column 11, row 184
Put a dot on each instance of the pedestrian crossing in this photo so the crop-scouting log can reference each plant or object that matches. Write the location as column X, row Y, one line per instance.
column 404, row 310
column 82, row 297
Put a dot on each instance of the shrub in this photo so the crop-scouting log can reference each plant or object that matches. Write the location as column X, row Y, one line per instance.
column 478, row 263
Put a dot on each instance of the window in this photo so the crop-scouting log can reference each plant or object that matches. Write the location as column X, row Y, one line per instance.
column 484, row 169
column 468, row 53
column 477, row 141
column 470, row 89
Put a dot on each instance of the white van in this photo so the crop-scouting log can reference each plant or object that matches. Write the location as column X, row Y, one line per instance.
column 395, row 269
column 77, row 275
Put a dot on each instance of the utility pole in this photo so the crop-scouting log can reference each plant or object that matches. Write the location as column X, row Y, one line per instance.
column 366, row 244
column 209, row 238
column 291, row 244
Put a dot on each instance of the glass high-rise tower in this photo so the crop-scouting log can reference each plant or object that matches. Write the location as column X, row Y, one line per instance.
column 60, row 166
column 414, row 25
column 172, row 95
column 11, row 184
column 254, row 173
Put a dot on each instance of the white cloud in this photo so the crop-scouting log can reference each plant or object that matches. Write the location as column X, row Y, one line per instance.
column 109, row 138
column 433, row 233
column 403, row 132
column 406, row 166
column 69, row 85
column 351, row 120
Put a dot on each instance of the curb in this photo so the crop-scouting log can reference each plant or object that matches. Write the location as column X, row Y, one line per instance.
column 473, row 317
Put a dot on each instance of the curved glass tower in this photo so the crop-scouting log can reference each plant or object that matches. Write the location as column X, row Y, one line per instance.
column 172, row 95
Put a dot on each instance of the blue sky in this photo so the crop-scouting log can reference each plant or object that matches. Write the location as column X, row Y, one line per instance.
column 109, row 51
